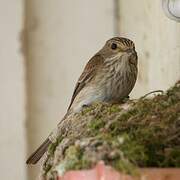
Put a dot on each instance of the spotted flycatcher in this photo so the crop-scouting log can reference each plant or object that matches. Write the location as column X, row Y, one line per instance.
column 109, row 76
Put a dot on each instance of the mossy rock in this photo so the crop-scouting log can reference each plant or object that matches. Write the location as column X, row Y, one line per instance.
column 137, row 133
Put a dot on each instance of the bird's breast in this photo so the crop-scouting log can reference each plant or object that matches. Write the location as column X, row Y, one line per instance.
column 119, row 82
column 111, row 85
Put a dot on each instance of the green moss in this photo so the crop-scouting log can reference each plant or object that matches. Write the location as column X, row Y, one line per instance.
column 74, row 160
column 114, row 109
column 48, row 167
column 72, row 157
column 96, row 125
column 52, row 146
column 145, row 135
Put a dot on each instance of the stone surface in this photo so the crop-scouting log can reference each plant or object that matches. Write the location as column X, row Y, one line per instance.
column 107, row 173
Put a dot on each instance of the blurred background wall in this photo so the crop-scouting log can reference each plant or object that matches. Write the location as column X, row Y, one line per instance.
column 39, row 70
column 12, row 92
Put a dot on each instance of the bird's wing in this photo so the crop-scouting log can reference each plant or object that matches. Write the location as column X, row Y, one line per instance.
column 89, row 72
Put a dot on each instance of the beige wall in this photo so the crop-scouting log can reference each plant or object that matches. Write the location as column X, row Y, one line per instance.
column 12, row 92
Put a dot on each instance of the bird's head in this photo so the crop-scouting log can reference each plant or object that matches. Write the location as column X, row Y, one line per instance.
column 118, row 47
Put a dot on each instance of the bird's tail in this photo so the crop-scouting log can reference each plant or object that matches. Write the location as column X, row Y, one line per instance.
column 36, row 156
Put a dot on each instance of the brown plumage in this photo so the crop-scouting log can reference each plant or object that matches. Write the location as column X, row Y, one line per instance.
column 109, row 76
column 89, row 72
column 34, row 158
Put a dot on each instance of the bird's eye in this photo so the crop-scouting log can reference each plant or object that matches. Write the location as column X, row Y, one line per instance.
column 113, row 46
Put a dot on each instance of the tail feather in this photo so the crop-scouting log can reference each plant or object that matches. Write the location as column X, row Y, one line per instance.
column 36, row 156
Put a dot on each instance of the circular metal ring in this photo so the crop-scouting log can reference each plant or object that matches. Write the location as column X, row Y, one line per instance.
column 172, row 9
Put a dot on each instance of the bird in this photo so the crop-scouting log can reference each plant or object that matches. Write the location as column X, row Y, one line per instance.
column 109, row 76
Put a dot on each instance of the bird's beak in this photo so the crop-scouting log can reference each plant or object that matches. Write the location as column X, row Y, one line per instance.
column 131, row 51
